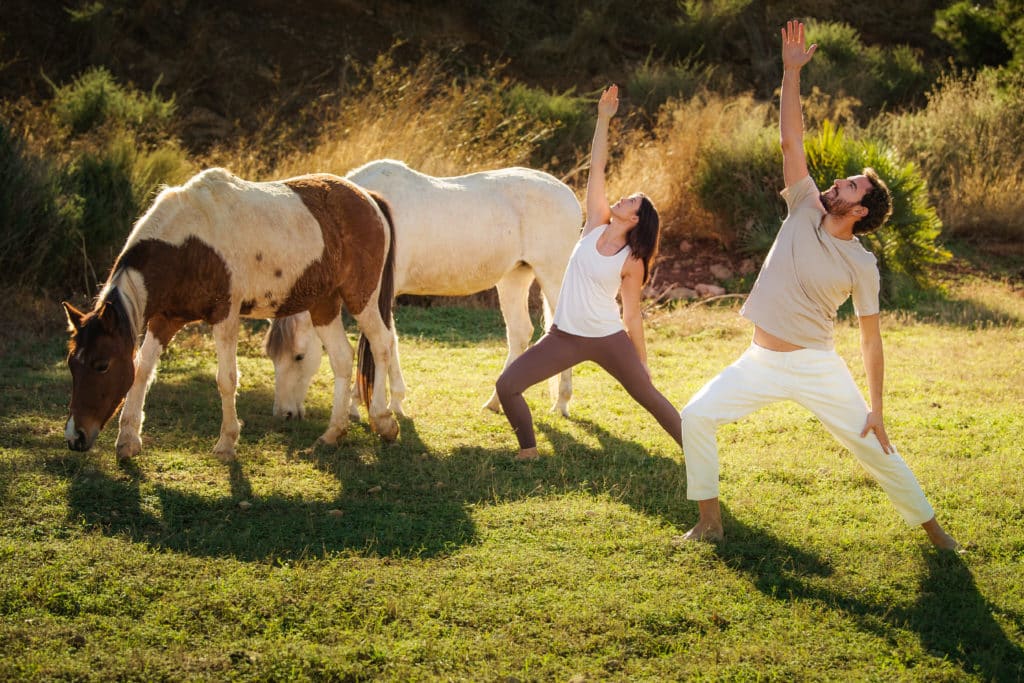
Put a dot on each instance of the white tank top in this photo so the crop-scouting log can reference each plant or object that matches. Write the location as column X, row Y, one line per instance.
column 586, row 302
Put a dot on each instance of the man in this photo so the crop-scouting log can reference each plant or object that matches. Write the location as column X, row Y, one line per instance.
column 814, row 265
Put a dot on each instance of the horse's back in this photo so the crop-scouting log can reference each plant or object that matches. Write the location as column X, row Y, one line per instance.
column 460, row 234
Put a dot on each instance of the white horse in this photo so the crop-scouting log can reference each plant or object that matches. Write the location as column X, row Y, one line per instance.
column 454, row 236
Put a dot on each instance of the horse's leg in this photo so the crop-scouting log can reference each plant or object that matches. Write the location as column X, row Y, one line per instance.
column 514, row 299
column 339, row 352
column 225, row 335
column 129, row 426
column 381, row 340
column 550, row 283
column 395, row 379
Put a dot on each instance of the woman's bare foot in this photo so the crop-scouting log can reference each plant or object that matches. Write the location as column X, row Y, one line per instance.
column 527, row 454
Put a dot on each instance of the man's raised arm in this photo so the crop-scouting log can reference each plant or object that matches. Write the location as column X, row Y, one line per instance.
column 791, row 124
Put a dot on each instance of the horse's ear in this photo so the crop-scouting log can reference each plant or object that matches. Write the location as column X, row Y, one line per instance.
column 110, row 315
column 74, row 316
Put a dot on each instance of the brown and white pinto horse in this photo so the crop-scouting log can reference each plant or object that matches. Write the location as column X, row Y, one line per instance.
column 221, row 248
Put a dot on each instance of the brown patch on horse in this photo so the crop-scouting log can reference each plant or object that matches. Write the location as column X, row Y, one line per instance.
column 172, row 296
column 353, row 255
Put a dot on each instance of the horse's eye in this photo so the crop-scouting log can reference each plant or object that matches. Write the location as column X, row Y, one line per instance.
column 101, row 366
column 299, row 357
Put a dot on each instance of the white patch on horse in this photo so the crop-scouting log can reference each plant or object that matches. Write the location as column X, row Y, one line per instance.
column 211, row 204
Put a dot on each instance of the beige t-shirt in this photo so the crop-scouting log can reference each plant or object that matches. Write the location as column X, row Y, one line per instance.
column 808, row 274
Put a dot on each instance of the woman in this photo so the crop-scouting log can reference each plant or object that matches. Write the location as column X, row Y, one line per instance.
column 613, row 256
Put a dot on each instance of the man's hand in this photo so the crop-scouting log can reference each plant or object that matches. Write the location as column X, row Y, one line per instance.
column 793, row 53
column 874, row 424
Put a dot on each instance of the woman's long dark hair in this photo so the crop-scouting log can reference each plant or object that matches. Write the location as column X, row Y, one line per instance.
column 644, row 237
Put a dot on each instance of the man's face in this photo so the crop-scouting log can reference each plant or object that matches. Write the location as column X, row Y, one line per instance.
column 845, row 194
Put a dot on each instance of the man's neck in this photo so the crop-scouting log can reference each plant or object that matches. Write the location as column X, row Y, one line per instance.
column 839, row 227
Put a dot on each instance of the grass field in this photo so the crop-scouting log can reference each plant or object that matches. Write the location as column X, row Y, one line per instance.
column 437, row 557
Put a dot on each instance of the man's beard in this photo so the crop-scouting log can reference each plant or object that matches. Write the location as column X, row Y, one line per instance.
column 835, row 206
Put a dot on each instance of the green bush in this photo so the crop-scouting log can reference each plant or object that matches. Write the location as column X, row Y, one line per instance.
column 981, row 36
column 739, row 180
column 877, row 77
column 95, row 99
column 29, row 212
column 567, row 119
column 654, row 82
column 68, row 205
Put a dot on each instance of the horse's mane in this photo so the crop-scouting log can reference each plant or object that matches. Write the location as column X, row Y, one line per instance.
column 280, row 336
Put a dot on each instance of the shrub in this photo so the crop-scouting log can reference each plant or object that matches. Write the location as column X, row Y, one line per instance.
column 100, row 152
column 94, row 99
column 978, row 35
column 29, row 211
column 877, row 77
column 664, row 165
column 967, row 142
column 653, row 83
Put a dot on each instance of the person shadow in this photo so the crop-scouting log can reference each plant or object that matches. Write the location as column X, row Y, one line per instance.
column 952, row 618
column 950, row 615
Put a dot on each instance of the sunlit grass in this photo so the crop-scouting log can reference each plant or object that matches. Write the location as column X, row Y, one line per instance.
column 438, row 557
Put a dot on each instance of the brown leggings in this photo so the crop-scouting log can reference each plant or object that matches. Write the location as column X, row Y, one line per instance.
column 557, row 351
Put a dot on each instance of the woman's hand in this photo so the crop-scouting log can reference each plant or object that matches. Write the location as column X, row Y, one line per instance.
column 609, row 103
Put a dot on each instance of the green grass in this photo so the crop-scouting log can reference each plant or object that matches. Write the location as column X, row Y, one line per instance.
column 463, row 565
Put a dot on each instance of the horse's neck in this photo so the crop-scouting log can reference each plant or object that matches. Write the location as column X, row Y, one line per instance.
column 132, row 290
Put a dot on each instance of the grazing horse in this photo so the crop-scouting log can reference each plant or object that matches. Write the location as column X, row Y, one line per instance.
column 456, row 236
column 221, row 248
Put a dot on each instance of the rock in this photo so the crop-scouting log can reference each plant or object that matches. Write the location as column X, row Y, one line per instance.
column 244, row 505
column 374, row 489
column 335, row 512
column 747, row 266
column 680, row 292
column 720, row 272
column 685, row 246
column 709, row 290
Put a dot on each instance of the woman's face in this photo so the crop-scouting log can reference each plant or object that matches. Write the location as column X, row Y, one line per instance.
column 627, row 209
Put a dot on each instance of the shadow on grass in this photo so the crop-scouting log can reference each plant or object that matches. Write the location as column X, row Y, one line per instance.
column 951, row 617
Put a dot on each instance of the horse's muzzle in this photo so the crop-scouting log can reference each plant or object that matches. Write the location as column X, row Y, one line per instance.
column 77, row 439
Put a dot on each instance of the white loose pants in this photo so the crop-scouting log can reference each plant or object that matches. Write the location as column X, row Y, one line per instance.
column 819, row 381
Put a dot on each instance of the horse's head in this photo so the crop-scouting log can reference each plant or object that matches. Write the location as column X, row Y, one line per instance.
column 101, row 357
column 295, row 349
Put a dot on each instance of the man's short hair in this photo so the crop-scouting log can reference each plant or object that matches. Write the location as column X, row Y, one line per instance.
column 878, row 202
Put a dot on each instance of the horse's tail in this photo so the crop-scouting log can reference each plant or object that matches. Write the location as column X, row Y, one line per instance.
column 385, row 299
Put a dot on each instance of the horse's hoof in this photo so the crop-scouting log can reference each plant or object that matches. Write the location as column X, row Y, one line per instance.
column 332, row 436
column 386, row 426
column 225, row 452
column 128, row 448
column 560, row 408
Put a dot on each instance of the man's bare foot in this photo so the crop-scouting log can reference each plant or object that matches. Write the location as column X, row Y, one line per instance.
column 705, row 532
column 527, row 454
column 938, row 536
